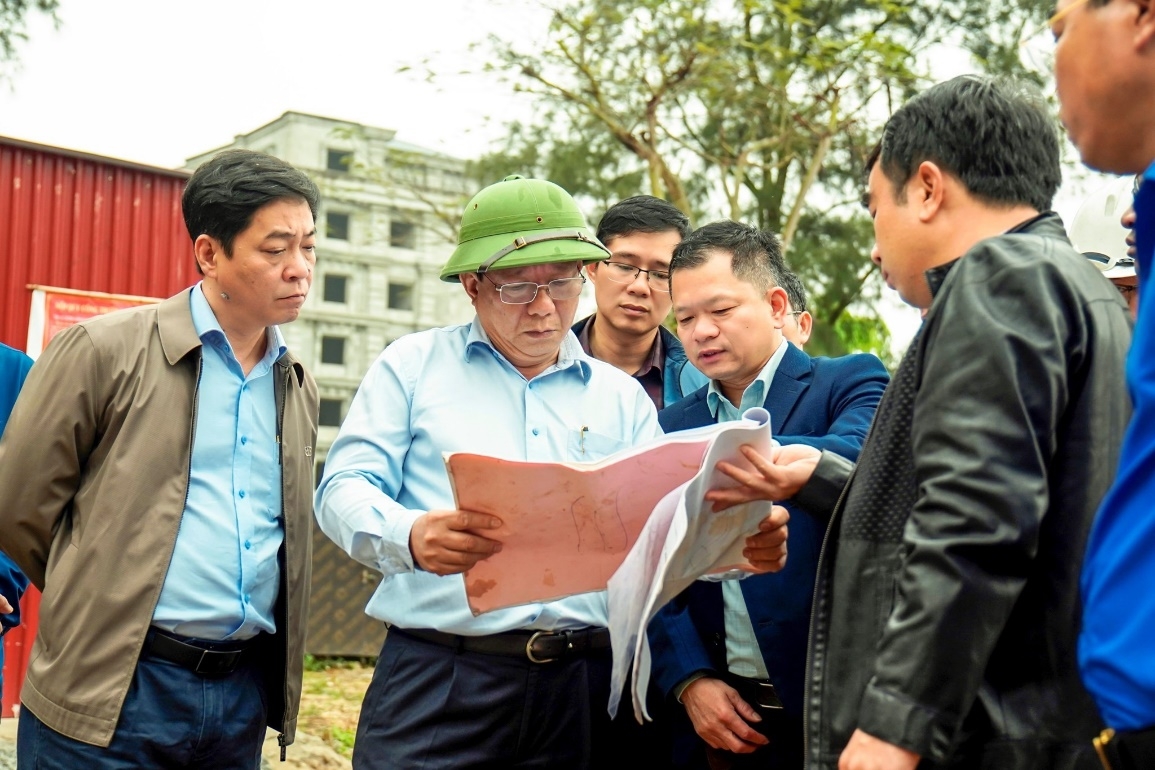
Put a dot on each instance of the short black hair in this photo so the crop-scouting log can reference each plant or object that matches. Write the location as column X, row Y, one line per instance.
column 790, row 281
column 225, row 192
column 642, row 214
column 993, row 135
column 756, row 255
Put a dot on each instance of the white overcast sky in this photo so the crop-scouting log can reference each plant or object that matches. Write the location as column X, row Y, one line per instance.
column 157, row 82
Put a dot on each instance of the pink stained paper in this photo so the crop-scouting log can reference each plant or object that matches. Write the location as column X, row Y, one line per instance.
column 566, row 527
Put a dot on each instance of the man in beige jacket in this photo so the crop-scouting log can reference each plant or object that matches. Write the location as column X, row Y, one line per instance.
column 156, row 478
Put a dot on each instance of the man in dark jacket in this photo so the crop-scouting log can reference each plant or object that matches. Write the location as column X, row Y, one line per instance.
column 632, row 290
column 947, row 605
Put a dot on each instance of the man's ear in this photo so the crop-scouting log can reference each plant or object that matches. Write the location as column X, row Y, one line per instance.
column 592, row 270
column 926, row 190
column 208, row 253
column 779, row 303
column 470, row 282
column 805, row 325
column 1145, row 25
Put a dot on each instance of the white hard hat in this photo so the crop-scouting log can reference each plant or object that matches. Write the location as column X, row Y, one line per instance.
column 1097, row 232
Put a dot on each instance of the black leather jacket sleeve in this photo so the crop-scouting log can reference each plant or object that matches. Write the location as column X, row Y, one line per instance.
column 820, row 494
column 1001, row 342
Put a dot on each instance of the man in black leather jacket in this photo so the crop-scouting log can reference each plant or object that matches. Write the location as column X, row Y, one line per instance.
column 947, row 603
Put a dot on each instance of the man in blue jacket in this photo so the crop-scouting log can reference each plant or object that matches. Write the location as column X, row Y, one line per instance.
column 733, row 653
column 1104, row 63
column 632, row 289
column 14, row 367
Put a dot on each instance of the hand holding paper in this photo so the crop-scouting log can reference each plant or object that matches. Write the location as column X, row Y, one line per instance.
column 448, row 542
column 777, row 477
column 766, row 550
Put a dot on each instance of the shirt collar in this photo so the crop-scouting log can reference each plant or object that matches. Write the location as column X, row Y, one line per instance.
column 570, row 354
column 655, row 360
column 755, row 393
column 209, row 329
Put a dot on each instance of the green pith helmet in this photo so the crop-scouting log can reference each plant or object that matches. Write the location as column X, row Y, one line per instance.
column 519, row 222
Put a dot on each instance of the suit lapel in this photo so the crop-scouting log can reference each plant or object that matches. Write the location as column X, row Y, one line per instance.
column 789, row 383
column 692, row 412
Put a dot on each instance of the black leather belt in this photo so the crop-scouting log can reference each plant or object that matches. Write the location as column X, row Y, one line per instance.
column 535, row 646
column 199, row 656
column 757, row 692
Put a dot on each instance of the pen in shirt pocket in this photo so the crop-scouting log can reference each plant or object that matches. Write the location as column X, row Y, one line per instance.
column 582, row 442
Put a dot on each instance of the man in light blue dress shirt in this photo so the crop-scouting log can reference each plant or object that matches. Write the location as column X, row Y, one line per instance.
column 522, row 686
column 156, row 472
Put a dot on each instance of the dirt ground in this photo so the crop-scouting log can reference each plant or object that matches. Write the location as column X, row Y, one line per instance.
column 331, row 700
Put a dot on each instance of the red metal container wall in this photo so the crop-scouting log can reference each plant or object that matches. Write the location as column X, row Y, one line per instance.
column 84, row 222
column 18, row 651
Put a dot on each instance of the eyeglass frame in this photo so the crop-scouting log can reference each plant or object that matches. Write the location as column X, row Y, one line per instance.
column 1060, row 15
column 1045, row 30
column 638, row 271
column 537, row 287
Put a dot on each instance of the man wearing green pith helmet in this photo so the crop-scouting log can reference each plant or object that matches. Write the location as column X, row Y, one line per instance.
column 524, row 686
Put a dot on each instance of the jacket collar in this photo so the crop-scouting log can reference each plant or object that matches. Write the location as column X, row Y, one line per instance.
column 672, row 345
column 1048, row 224
column 178, row 335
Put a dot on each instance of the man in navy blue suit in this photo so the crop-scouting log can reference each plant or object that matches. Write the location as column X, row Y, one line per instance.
column 733, row 652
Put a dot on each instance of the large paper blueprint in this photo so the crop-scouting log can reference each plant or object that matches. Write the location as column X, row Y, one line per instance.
column 566, row 527
column 682, row 540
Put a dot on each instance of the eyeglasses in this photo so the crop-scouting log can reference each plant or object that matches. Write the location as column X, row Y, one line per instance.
column 1126, row 290
column 524, row 292
column 620, row 272
column 1037, row 49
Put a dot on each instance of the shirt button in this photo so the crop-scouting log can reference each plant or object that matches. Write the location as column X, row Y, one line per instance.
column 248, row 545
column 242, row 494
column 248, row 599
column 244, row 440
column 535, row 431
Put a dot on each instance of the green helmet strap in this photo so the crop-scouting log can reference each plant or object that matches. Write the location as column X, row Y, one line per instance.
column 523, row 242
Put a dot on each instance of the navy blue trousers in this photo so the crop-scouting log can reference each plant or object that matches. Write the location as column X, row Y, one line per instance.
column 429, row 706
column 172, row 719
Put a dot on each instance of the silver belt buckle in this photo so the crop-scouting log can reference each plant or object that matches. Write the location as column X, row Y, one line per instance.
column 529, row 648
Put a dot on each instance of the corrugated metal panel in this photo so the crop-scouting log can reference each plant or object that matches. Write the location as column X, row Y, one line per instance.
column 85, row 222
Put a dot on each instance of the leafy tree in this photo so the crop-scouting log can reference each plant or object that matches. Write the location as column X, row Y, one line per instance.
column 13, row 15
column 758, row 110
